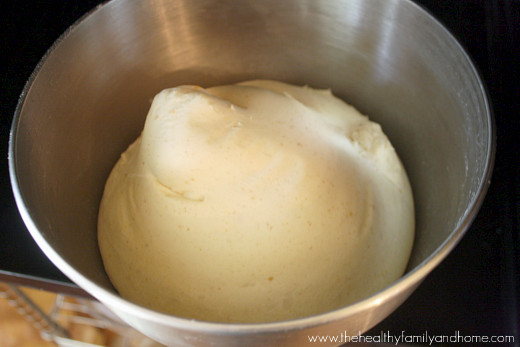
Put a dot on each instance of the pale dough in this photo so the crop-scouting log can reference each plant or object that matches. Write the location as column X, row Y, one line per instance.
column 255, row 202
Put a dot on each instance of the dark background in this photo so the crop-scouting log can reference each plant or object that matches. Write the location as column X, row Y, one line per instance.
column 475, row 290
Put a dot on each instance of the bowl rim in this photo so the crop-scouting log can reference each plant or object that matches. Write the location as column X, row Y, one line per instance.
column 411, row 278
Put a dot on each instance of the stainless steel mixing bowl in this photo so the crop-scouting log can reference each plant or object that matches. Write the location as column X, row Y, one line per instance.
column 88, row 97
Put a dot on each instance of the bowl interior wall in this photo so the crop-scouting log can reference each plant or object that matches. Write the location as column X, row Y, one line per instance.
column 90, row 97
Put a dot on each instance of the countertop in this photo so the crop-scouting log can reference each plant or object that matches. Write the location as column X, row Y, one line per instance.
column 474, row 291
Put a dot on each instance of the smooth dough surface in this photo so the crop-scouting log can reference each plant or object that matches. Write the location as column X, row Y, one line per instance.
column 255, row 202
